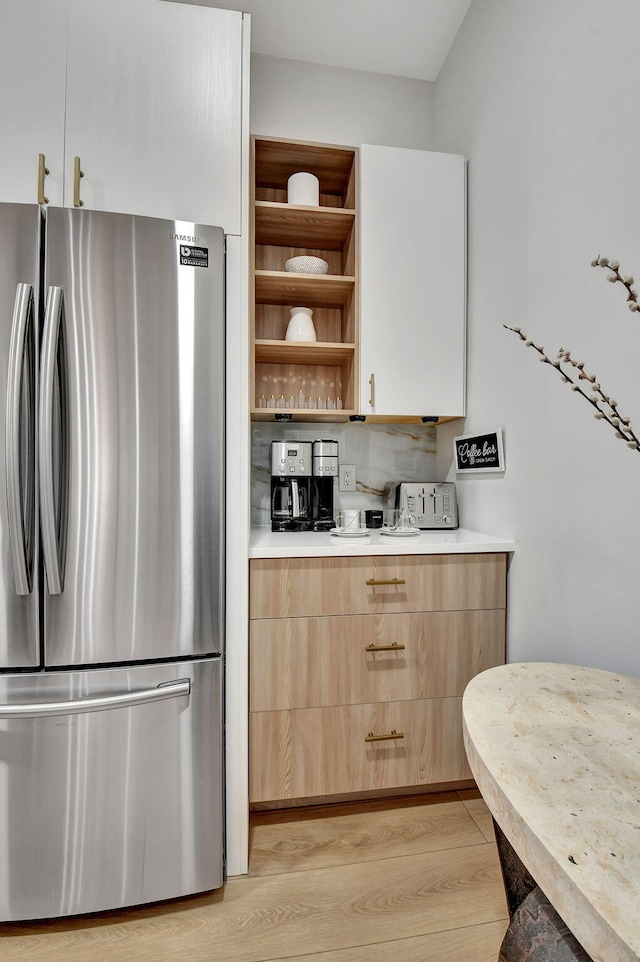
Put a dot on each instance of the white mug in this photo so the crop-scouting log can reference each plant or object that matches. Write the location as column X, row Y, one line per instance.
column 348, row 520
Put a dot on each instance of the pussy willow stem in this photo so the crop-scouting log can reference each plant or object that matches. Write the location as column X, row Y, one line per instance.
column 627, row 433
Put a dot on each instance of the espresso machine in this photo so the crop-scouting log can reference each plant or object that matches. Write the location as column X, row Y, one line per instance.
column 302, row 482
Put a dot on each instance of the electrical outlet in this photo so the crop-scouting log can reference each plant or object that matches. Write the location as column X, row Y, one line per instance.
column 347, row 477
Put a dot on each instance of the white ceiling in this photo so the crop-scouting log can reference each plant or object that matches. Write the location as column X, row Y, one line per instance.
column 407, row 38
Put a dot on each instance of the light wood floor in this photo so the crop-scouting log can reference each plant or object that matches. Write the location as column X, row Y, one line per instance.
column 412, row 880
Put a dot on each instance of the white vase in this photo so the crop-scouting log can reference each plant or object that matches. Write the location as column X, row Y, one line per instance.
column 303, row 188
column 300, row 326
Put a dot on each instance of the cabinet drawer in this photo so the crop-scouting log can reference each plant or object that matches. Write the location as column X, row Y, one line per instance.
column 322, row 751
column 311, row 662
column 297, row 587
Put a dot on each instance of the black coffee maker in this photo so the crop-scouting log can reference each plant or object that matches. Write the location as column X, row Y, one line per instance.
column 302, row 480
column 291, row 486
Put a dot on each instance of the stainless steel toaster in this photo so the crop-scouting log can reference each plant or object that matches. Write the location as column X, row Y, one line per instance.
column 433, row 504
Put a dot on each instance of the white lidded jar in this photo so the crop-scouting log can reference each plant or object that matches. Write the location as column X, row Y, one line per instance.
column 300, row 326
column 304, row 189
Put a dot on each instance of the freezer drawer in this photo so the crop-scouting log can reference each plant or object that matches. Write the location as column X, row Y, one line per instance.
column 114, row 800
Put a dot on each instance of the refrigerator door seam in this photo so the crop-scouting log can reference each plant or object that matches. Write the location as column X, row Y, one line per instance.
column 50, row 540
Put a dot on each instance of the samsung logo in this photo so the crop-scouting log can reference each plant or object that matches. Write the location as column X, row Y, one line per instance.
column 189, row 238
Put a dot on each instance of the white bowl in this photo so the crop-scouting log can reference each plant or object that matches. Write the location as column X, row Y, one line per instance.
column 306, row 264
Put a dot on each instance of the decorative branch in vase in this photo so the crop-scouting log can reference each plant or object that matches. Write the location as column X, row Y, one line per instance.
column 573, row 372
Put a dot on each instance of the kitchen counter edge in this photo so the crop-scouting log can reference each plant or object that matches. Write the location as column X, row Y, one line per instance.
column 264, row 543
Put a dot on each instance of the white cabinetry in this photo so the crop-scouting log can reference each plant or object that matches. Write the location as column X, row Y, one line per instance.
column 412, row 283
column 154, row 109
column 33, row 42
column 151, row 106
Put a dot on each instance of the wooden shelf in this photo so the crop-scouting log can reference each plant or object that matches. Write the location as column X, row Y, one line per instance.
column 327, row 367
column 311, row 416
column 276, row 160
column 309, row 290
column 318, row 227
column 302, row 352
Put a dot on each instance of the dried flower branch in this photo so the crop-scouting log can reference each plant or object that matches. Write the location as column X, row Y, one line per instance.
column 605, row 406
column 615, row 277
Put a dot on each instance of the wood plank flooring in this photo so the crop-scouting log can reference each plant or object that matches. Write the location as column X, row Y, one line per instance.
column 399, row 880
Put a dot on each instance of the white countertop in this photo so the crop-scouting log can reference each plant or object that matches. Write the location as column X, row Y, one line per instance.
column 309, row 544
column 555, row 751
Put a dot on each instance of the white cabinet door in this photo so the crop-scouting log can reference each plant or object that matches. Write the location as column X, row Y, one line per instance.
column 154, row 109
column 33, row 38
column 412, row 282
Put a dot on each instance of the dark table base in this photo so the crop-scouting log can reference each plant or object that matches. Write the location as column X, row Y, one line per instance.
column 536, row 932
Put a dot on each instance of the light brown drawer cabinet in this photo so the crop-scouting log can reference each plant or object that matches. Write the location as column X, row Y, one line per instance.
column 299, row 587
column 323, row 751
column 358, row 665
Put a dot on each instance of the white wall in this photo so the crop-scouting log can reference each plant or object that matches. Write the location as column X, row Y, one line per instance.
column 308, row 101
column 543, row 99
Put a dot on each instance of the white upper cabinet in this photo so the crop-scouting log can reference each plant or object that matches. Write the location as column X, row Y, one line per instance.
column 154, row 99
column 147, row 94
column 412, row 283
column 33, row 42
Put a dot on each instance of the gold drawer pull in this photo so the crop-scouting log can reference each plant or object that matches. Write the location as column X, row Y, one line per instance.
column 393, row 647
column 393, row 581
column 384, row 738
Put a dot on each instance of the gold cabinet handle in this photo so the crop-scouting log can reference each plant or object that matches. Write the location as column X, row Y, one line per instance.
column 384, row 738
column 77, row 174
column 393, row 647
column 372, row 395
column 43, row 170
column 393, row 581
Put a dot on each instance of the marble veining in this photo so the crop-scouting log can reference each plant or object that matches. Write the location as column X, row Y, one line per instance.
column 381, row 452
column 555, row 751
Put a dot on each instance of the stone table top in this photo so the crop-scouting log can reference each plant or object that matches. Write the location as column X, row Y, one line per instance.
column 555, row 752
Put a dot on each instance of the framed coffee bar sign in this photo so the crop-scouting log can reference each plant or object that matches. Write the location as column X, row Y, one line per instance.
column 475, row 453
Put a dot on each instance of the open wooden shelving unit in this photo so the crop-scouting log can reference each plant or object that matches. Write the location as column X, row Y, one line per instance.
column 329, row 366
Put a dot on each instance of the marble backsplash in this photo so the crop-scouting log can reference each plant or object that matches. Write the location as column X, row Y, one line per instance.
column 381, row 452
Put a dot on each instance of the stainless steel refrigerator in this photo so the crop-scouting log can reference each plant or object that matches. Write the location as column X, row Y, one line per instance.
column 111, row 560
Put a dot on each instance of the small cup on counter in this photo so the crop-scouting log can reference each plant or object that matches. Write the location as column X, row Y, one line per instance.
column 347, row 520
column 396, row 520
column 391, row 519
column 373, row 519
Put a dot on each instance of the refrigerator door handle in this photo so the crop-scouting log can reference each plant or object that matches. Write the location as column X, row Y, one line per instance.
column 52, row 520
column 127, row 699
column 22, row 317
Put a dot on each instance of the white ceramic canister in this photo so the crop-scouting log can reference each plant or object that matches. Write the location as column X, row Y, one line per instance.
column 300, row 327
column 303, row 188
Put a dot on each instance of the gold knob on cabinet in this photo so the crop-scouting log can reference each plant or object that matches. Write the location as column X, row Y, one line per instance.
column 392, row 647
column 393, row 581
column 384, row 738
